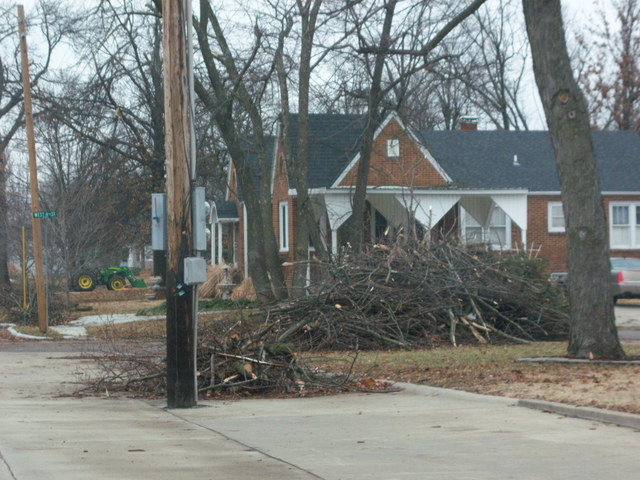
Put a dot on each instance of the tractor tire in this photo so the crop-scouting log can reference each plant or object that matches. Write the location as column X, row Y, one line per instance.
column 116, row 282
column 84, row 282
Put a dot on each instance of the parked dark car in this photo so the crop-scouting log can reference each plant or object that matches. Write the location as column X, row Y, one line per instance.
column 625, row 277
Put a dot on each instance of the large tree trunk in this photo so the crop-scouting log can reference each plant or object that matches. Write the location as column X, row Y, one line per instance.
column 593, row 332
column 264, row 263
column 308, row 227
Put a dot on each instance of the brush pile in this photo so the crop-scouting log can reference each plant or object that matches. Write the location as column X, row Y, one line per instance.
column 400, row 296
column 419, row 295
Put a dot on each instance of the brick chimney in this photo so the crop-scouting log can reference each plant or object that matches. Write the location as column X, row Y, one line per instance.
column 468, row 122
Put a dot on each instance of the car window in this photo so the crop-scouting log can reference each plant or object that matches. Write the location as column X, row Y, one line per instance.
column 625, row 263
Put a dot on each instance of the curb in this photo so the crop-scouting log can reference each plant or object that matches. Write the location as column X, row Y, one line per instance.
column 621, row 419
column 10, row 328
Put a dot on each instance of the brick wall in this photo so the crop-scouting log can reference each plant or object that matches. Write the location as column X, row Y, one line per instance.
column 553, row 246
column 411, row 168
column 281, row 194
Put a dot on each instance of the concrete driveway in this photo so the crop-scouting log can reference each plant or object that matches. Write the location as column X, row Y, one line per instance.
column 628, row 315
column 418, row 433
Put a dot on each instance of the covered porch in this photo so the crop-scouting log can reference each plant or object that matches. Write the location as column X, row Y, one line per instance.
column 224, row 221
column 399, row 206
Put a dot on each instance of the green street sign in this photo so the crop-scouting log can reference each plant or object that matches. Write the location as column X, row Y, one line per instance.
column 45, row 214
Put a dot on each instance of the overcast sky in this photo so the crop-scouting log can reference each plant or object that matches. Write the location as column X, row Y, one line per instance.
column 576, row 14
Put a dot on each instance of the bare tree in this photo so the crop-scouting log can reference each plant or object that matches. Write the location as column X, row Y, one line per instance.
column 308, row 229
column 593, row 331
column 92, row 191
column 610, row 74
column 492, row 67
column 123, row 46
column 230, row 88
column 54, row 22
column 375, row 115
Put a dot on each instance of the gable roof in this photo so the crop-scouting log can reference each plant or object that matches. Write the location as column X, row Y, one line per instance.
column 333, row 142
column 485, row 159
column 473, row 159
column 224, row 210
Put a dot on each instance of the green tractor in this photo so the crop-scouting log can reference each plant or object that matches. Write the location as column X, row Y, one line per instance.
column 113, row 277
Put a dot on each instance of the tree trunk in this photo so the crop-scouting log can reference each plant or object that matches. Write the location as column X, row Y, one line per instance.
column 593, row 332
column 264, row 264
column 308, row 227
column 355, row 224
column 4, row 237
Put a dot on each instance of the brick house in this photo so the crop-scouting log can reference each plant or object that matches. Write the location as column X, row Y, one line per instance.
column 496, row 187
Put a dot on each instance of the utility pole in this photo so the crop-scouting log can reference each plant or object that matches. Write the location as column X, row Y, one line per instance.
column 33, row 174
column 181, row 318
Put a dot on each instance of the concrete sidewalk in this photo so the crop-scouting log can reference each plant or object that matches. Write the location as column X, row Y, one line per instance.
column 419, row 433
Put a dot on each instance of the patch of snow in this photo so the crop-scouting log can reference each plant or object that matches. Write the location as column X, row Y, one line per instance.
column 93, row 320
column 68, row 331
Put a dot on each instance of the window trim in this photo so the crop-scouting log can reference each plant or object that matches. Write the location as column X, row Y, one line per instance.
column 633, row 225
column 550, row 227
column 283, row 217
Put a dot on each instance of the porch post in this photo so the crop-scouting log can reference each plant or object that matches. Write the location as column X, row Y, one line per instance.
column 246, row 241
column 234, row 249
column 219, row 243
column 213, row 243
column 334, row 241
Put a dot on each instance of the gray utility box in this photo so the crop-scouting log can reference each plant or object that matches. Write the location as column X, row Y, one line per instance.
column 159, row 221
column 195, row 270
column 199, row 219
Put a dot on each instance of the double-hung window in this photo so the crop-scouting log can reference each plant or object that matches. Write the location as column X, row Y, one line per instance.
column 555, row 217
column 498, row 234
column 624, row 221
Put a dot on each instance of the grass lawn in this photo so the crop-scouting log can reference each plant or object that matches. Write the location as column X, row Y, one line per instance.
column 494, row 370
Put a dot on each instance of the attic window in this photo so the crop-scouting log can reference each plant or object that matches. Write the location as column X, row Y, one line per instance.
column 393, row 147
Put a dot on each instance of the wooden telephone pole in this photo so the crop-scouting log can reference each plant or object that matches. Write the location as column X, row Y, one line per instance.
column 181, row 321
column 33, row 174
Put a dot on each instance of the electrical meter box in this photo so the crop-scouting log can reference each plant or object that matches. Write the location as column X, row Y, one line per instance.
column 159, row 221
column 195, row 270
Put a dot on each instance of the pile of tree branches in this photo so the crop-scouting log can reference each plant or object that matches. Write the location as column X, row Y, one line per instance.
column 244, row 356
column 234, row 357
column 424, row 295
column 401, row 296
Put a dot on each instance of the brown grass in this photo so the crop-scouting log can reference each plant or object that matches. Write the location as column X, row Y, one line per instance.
column 493, row 370
column 157, row 328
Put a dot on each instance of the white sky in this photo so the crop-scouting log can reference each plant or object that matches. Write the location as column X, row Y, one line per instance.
column 576, row 14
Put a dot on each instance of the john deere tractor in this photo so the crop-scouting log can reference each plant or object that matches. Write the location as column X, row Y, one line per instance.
column 113, row 277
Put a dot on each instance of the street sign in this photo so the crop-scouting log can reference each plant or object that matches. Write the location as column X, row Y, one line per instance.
column 46, row 214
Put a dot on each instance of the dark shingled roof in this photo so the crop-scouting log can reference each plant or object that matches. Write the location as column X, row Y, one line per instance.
column 484, row 159
column 226, row 209
column 334, row 140
column 474, row 159
column 252, row 160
